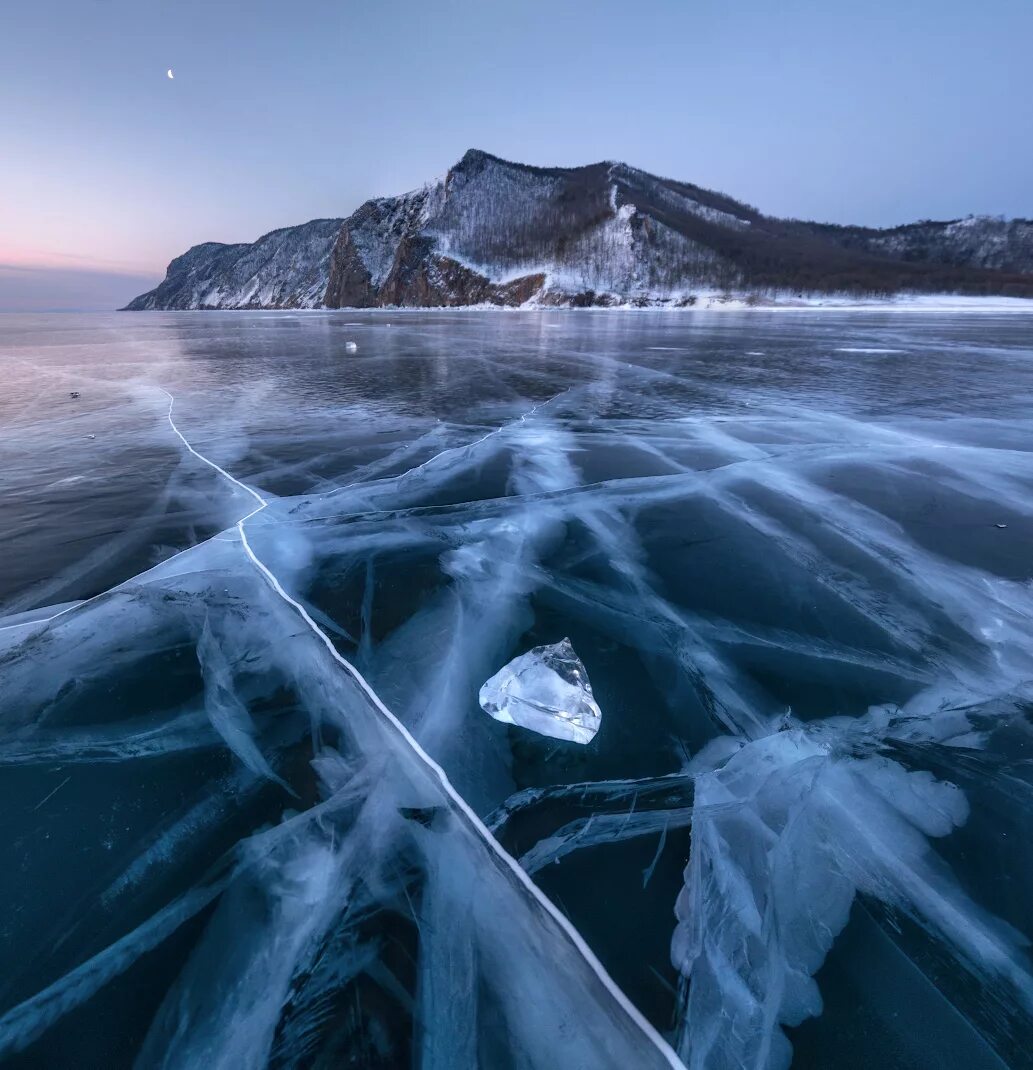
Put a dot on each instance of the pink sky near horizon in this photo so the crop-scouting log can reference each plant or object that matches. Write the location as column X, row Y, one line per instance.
column 13, row 256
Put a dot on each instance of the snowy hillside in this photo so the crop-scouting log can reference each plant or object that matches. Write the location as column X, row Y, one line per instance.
column 286, row 268
column 978, row 241
column 494, row 232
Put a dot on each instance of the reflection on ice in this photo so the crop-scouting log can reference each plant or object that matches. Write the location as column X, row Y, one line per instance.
column 546, row 690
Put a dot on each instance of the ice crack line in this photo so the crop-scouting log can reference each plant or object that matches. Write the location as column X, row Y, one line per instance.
column 262, row 503
column 436, row 771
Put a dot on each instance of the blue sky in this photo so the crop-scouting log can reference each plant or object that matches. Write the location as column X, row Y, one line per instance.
column 875, row 113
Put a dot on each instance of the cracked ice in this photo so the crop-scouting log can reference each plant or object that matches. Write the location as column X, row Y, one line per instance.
column 243, row 684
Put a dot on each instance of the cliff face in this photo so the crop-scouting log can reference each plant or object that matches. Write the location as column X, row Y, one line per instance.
column 286, row 268
column 494, row 232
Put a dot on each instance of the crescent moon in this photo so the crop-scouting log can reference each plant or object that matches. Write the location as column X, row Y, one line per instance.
column 171, row 75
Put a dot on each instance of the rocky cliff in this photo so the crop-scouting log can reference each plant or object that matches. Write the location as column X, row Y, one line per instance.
column 500, row 233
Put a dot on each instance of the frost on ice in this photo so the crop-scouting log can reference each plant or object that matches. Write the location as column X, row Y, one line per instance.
column 547, row 690
column 786, row 833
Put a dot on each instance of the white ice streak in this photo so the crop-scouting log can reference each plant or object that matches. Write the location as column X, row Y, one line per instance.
column 433, row 664
column 621, row 1002
column 863, row 349
column 785, row 834
column 601, row 829
column 584, row 1017
column 788, row 826
column 228, row 715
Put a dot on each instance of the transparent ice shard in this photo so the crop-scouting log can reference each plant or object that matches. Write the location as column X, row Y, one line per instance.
column 547, row 690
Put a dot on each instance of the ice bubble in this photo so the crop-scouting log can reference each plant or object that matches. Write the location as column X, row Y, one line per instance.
column 547, row 690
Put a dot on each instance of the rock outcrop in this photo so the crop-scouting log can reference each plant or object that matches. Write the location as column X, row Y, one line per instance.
column 499, row 233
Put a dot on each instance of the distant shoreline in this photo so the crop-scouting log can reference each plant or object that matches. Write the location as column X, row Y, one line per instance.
column 924, row 303
column 910, row 303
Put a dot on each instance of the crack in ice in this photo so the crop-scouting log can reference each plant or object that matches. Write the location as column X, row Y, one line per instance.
column 475, row 823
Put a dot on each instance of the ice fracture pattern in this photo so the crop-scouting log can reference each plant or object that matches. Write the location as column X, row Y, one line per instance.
column 257, row 599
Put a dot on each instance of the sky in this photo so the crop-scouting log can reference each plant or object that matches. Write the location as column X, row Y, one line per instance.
column 877, row 112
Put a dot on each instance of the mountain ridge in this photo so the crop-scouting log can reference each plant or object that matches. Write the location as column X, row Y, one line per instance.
column 496, row 232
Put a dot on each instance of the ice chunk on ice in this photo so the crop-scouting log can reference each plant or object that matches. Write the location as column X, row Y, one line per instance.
column 546, row 690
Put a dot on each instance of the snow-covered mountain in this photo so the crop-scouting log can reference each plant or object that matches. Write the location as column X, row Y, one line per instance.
column 494, row 232
column 977, row 241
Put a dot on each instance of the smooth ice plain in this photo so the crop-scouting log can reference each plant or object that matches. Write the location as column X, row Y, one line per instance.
column 256, row 573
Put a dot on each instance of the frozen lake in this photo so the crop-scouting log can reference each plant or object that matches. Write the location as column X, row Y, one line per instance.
column 256, row 567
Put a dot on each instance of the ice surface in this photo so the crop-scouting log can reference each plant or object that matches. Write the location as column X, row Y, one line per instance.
column 264, row 759
column 546, row 690
column 786, row 834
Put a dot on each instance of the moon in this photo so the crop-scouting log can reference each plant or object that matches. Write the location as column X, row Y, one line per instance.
column 170, row 74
